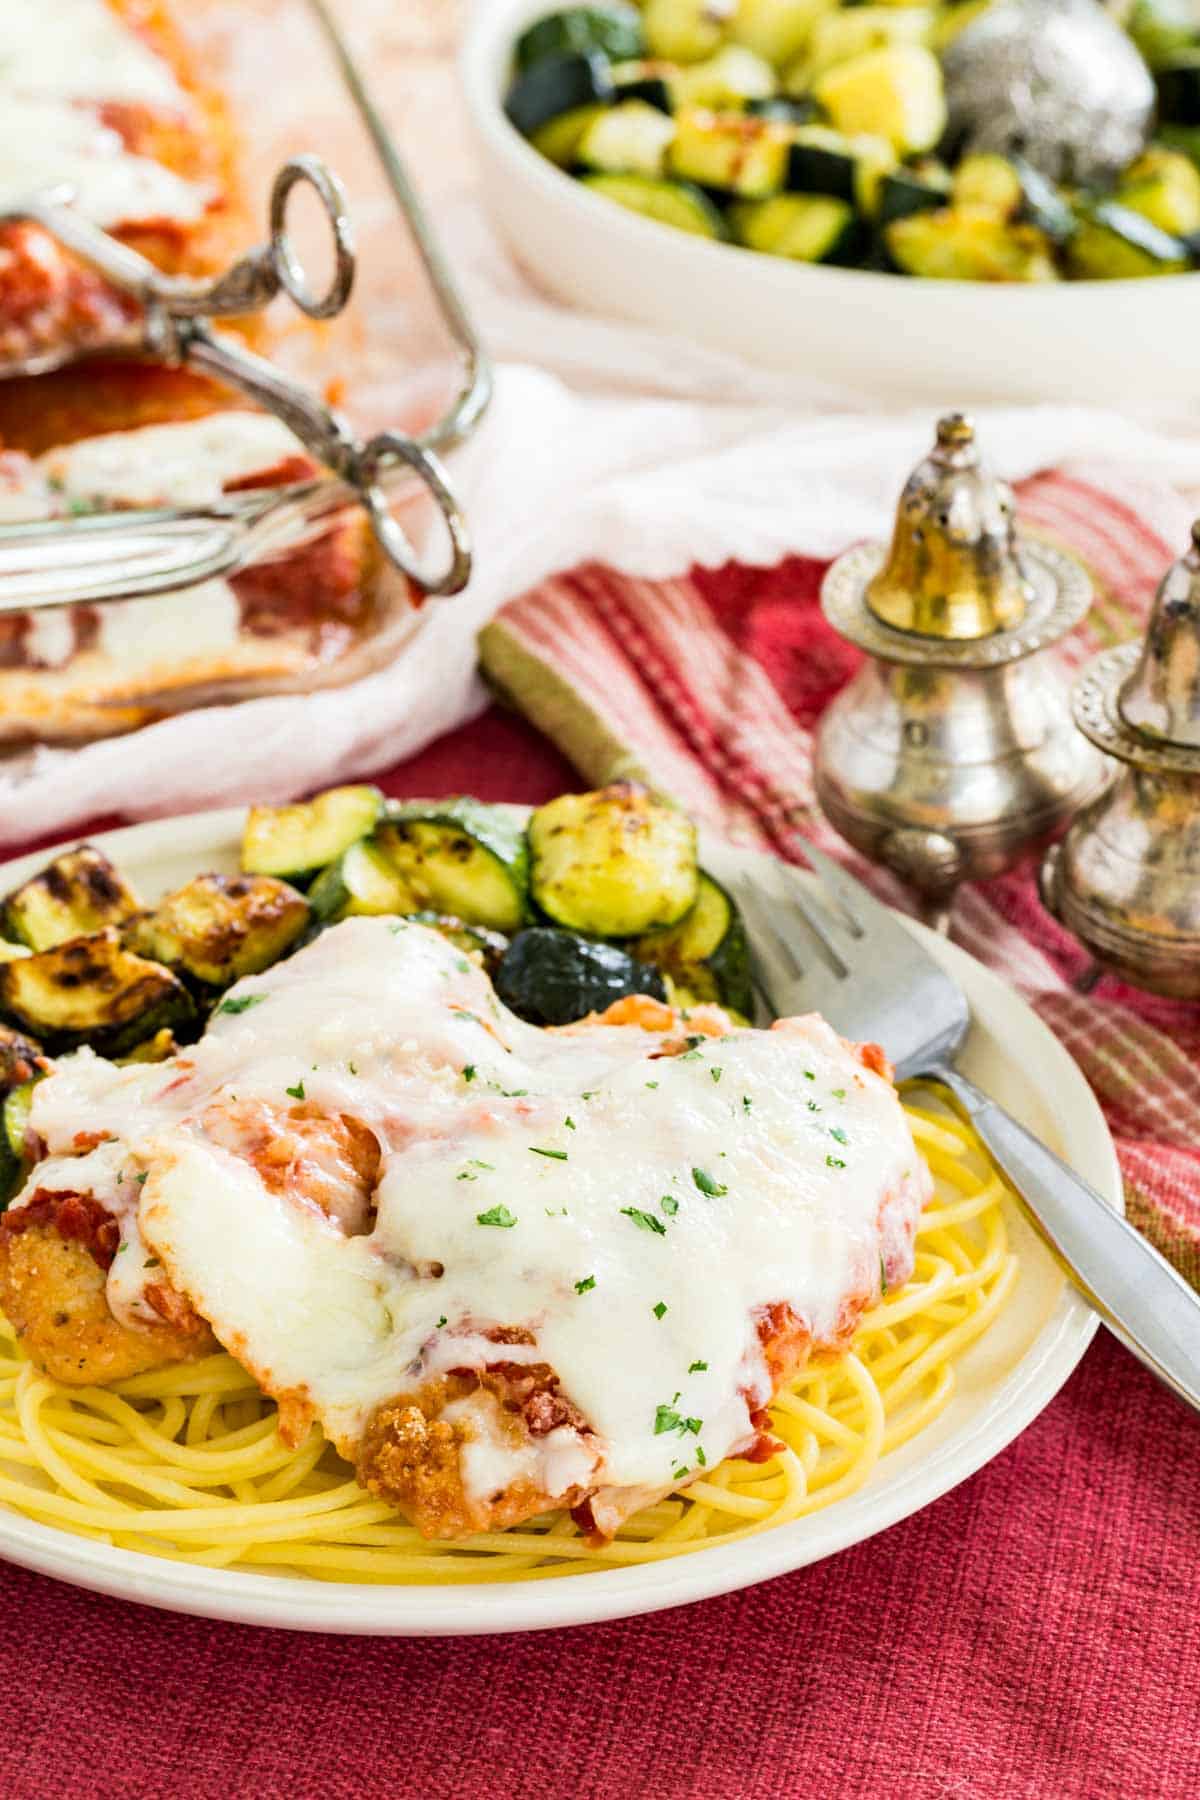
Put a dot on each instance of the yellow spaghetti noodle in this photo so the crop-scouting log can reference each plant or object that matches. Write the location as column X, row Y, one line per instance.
column 187, row 1463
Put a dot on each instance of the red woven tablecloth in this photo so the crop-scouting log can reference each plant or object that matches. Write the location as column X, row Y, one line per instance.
column 1032, row 1635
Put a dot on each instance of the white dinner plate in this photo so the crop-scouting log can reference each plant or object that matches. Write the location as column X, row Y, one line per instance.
column 1004, row 1379
column 1131, row 344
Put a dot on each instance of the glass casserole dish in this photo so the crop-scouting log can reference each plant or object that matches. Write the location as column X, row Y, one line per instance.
column 127, row 475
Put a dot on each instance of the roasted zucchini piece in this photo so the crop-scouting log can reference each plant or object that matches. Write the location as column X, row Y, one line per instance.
column 78, row 893
column 21, row 1062
column 361, row 881
column 16, row 1159
column 968, row 244
column 989, row 181
column 614, row 863
column 556, row 85
column 292, row 841
column 812, row 228
column 905, row 191
column 726, row 82
column 685, row 31
column 785, row 109
column 221, row 927
column 612, row 31
column 630, row 139
column 675, row 203
column 1178, row 83
column 459, row 857
column 92, row 991
column 1164, row 186
column 895, row 93
column 706, row 956
column 777, row 30
column 825, row 162
column 484, row 947
column 558, row 140
column 840, row 34
column 159, row 1048
column 653, row 83
column 1162, row 29
column 554, row 977
column 1111, row 243
column 732, row 151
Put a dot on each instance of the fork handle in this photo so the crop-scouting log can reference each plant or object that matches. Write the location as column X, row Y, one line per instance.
column 1136, row 1292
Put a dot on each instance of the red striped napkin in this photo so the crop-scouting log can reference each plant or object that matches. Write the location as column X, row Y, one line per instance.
column 710, row 686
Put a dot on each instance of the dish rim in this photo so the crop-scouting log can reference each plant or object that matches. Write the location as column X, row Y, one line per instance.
column 303, row 1604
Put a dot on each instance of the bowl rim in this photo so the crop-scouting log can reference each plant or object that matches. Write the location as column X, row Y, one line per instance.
column 482, row 64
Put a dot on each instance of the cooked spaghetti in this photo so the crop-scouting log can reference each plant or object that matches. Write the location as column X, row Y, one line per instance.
column 187, row 1462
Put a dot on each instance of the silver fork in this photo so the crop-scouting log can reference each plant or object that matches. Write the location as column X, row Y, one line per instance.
column 838, row 951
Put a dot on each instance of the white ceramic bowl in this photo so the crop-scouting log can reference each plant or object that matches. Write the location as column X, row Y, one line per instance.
column 1131, row 344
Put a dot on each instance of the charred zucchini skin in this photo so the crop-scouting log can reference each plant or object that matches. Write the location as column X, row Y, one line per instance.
column 360, row 882
column 613, row 31
column 76, row 894
column 556, row 85
column 219, row 928
column 613, row 863
column 21, row 1063
column 707, row 954
column 293, row 841
column 461, row 857
column 556, row 977
column 93, row 991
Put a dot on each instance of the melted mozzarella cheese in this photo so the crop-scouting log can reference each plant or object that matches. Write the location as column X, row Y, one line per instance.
column 657, row 1204
column 44, row 144
column 183, row 463
column 82, row 50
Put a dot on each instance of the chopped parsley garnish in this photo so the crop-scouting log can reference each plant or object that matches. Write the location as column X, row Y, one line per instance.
column 747, row 1103
column 810, row 1074
column 353, row 1068
column 667, row 1419
column 659, row 1308
column 397, row 928
column 141, row 1179
column 586, row 1285
column 670, row 1205
column 680, row 1473
column 835, row 1162
column 468, row 1073
column 569, row 1122
column 652, row 1084
column 477, row 1162
column 461, row 963
column 151, row 1262
column 706, row 1184
column 496, row 1215
column 296, row 1092
column 812, row 1106
column 555, row 1212
column 883, row 1280
column 554, row 1155
column 716, row 1073
column 589, row 1093
column 514, row 1093
column 700, row 1456
column 835, row 1131
column 697, row 1368
column 691, row 1056
column 441, row 1321
column 466, row 1175
column 240, row 1003
column 839, row 1093
column 646, row 1220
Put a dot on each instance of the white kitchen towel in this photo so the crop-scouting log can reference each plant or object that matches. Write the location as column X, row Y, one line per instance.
column 608, row 442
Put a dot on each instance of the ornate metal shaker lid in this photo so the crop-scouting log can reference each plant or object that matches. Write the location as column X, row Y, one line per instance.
column 1056, row 81
column 1141, row 702
column 954, row 569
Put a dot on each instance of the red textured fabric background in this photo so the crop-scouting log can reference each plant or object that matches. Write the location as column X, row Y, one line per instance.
column 1032, row 1636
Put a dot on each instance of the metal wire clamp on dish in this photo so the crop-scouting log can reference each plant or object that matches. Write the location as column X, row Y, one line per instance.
column 123, row 556
column 838, row 950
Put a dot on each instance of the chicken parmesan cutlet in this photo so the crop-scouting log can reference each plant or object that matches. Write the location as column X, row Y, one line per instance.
column 507, row 1268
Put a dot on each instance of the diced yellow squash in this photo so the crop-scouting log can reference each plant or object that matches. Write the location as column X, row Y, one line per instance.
column 777, row 30
column 895, row 93
column 969, row 244
column 739, row 154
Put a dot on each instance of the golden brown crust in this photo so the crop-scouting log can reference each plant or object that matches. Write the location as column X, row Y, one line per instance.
column 52, row 1291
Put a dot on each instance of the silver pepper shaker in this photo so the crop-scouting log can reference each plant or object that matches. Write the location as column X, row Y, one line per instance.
column 952, row 750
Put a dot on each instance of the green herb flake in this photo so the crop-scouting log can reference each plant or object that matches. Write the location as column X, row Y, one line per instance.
column 883, row 1280
column 240, row 1003
column 706, row 1184
column 839, row 1093
column 496, row 1215
column 296, row 1092
column 569, row 1122
column 468, row 1073
column 142, row 1178
column 670, row 1205
column 681, row 1473
column 441, row 1321
column 747, row 1103
column 835, row 1162
column 835, row 1131
column 151, row 1262
column 589, row 1093
column 477, row 1162
column 810, row 1074
column 554, row 1155
column 700, row 1456
column 513, row 1093
column 652, row 1084
column 659, row 1309
column 645, row 1220
column 716, row 1073
column 462, row 965
column 586, row 1285
column 812, row 1106
column 697, row 1368
column 466, row 1175
column 666, row 1419
column 353, row 1068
